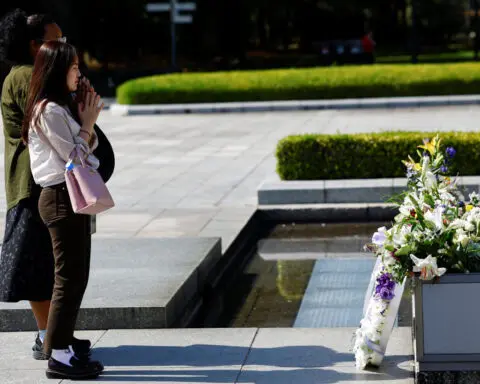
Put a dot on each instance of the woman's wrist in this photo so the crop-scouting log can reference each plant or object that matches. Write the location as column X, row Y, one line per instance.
column 87, row 128
column 85, row 134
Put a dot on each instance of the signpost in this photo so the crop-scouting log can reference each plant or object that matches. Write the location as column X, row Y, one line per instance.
column 477, row 29
column 175, row 18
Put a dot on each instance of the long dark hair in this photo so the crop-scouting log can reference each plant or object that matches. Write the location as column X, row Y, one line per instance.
column 49, row 81
column 17, row 30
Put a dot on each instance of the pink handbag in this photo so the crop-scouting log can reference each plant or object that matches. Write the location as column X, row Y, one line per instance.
column 88, row 193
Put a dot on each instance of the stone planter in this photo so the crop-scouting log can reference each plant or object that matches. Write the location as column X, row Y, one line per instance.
column 446, row 323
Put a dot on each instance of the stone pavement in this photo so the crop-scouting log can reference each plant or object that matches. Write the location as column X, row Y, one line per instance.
column 197, row 175
column 227, row 356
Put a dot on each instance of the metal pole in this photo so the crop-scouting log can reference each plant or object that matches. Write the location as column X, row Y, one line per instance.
column 414, row 33
column 173, row 12
column 477, row 29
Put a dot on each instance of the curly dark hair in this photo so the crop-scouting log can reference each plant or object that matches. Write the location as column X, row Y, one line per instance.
column 16, row 31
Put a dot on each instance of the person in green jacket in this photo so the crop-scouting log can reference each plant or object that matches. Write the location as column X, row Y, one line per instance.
column 26, row 261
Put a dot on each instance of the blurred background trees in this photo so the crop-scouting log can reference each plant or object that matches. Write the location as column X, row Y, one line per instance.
column 119, row 39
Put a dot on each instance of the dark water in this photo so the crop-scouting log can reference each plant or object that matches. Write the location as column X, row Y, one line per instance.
column 270, row 290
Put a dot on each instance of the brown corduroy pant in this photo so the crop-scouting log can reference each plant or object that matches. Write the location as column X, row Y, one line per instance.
column 71, row 241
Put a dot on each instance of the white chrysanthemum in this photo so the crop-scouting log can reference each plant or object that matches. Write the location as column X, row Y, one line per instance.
column 457, row 223
column 446, row 195
column 359, row 343
column 361, row 359
column 370, row 333
column 388, row 259
column 469, row 226
column 474, row 196
column 358, row 336
column 474, row 212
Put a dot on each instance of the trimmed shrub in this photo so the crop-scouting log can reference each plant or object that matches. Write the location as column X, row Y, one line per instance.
column 367, row 156
column 304, row 84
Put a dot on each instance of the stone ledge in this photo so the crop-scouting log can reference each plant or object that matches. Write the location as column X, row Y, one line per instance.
column 135, row 283
column 294, row 105
column 332, row 213
column 341, row 191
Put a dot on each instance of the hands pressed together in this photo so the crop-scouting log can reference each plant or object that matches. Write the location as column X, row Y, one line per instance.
column 89, row 105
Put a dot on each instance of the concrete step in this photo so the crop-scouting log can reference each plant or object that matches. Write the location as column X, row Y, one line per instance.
column 341, row 191
column 135, row 283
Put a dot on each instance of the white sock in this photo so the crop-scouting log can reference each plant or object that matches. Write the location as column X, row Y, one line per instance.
column 63, row 355
column 41, row 334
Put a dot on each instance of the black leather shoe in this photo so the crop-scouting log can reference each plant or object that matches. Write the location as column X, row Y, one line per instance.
column 82, row 349
column 86, row 359
column 80, row 369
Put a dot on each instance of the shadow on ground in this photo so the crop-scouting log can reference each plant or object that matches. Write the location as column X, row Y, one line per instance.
column 296, row 364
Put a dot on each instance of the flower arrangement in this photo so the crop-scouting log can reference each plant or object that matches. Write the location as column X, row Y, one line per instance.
column 436, row 231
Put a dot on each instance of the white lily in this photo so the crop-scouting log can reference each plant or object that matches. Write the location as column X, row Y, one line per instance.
column 435, row 217
column 427, row 267
column 461, row 238
column 430, row 180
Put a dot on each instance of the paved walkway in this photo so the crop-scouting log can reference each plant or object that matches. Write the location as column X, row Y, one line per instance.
column 197, row 175
column 226, row 356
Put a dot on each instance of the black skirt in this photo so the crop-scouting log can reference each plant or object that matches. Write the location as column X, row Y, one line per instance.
column 26, row 261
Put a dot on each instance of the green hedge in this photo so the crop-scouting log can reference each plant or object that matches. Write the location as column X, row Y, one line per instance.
column 364, row 156
column 302, row 84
